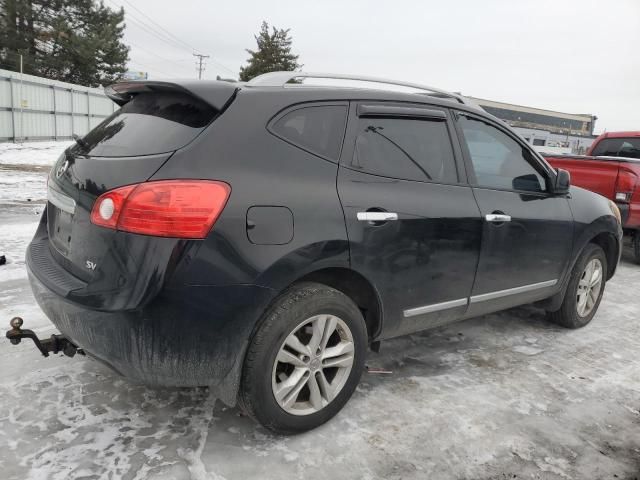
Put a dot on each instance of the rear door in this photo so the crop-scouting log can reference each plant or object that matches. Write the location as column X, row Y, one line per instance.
column 527, row 231
column 413, row 225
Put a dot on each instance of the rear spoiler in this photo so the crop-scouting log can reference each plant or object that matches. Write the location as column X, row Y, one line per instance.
column 217, row 94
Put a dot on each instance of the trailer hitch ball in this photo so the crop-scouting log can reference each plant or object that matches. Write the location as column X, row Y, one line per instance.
column 16, row 322
column 54, row 344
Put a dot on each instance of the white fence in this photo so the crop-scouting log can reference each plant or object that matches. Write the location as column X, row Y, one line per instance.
column 35, row 108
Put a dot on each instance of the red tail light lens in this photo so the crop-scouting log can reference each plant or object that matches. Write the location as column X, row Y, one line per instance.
column 625, row 185
column 165, row 208
column 113, row 200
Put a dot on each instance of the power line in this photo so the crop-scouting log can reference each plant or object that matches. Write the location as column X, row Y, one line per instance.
column 233, row 72
column 168, row 38
column 148, row 67
column 150, row 29
column 170, row 35
column 176, row 62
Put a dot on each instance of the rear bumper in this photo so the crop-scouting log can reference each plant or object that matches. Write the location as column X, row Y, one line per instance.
column 192, row 336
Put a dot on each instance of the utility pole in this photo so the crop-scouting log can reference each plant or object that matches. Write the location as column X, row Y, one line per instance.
column 200, row 66
column 21, row 105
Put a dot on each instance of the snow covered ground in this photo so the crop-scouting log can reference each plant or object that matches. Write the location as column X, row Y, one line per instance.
column 501, row 396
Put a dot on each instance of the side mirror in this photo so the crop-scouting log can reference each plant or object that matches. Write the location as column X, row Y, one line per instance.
column 527, row 183
column 563, row 182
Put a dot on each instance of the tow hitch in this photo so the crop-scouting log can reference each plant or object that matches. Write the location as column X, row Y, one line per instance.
column 54, row 344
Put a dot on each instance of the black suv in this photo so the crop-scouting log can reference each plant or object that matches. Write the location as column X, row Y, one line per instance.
column 258, row 237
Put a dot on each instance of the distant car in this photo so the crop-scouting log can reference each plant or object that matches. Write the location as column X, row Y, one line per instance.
column 257, row 237
column 611, row 167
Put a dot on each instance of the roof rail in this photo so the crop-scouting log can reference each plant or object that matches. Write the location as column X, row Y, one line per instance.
column 281, row 79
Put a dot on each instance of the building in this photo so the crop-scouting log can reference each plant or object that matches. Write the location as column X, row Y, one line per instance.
column 547, row 130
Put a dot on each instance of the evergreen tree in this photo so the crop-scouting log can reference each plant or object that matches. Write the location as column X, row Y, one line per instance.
column 273, row 54
column 78, row 41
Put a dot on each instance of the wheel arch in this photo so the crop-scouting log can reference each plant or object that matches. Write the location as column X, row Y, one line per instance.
column 357, row 288
column 607, row 241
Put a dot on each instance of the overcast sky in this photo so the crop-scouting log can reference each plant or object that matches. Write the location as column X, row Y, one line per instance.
column 574, row 56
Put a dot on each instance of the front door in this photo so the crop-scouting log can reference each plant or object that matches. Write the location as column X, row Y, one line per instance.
column 414, row 228
column 527, row 231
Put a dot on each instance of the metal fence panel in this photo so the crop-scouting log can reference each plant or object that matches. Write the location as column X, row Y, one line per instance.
column 6, row 129
column 80, row 125
column 38, row 125
column 98, row 105
column 63, row 100
column 63, row 126
column 5, row 94
column 35, row 108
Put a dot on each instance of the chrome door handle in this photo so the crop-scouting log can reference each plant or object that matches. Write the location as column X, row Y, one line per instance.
column 497, row 218
column 377, row 216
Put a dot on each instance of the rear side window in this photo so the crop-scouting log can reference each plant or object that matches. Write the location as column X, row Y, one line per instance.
column 409, row 149
column 618, row 147
column 318, row 129
column 151, row 122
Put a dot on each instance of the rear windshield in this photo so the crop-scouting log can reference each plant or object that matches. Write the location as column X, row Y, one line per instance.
column 618, row 147
column 150, row 123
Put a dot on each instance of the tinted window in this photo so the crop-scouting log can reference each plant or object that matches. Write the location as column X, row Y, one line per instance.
column 498, row 160
column 405, row 148
column 318, row 129
column 618, row 147
column 149, row 123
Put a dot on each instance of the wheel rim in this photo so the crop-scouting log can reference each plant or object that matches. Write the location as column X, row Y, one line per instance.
column 589, row 287
column 312, row 365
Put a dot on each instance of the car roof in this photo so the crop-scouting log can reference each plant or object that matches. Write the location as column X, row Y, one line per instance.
column 620, row 134
column 217, row 93
column 349, row 93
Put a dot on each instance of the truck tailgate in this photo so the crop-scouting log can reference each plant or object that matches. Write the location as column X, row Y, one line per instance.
column 591, row 173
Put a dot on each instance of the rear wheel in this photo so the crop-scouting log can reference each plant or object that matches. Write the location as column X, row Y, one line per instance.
column 305, row 360
column 585, row 289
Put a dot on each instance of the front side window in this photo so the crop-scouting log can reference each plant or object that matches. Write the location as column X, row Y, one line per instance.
column 498, row 160
column 408, row 149
column 618, row 147
column 318, row 129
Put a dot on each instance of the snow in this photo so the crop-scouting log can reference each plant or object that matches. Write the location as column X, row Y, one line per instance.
column 32, row 153
column 494, row 397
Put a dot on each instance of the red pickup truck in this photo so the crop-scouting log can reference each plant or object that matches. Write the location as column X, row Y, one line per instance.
column 611, row 167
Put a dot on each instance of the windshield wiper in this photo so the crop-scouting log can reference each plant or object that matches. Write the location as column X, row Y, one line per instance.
column 78, row 139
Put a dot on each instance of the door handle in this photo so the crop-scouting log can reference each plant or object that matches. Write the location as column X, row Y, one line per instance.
column 497, row 218
column 376, row 216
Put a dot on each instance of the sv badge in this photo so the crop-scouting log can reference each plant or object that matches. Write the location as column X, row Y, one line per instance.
column 90, row 265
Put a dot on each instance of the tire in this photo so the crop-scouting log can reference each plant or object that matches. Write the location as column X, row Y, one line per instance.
column 636, row 246
column 272, row 365
column 573, row 313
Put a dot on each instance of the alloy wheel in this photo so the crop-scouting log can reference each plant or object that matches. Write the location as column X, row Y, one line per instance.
column 313, row 364
column 589, row 287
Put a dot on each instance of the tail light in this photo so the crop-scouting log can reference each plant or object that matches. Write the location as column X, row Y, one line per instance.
column 625, row 185
column 164, row 208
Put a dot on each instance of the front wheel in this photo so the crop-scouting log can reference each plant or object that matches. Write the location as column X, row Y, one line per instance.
column 305, row 359
column 585, row 289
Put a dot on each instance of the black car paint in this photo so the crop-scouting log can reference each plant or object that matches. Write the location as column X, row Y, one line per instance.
column 181, row 312
column 429, row 255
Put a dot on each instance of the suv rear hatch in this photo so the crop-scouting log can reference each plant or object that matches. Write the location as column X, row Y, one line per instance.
column 103, row 267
